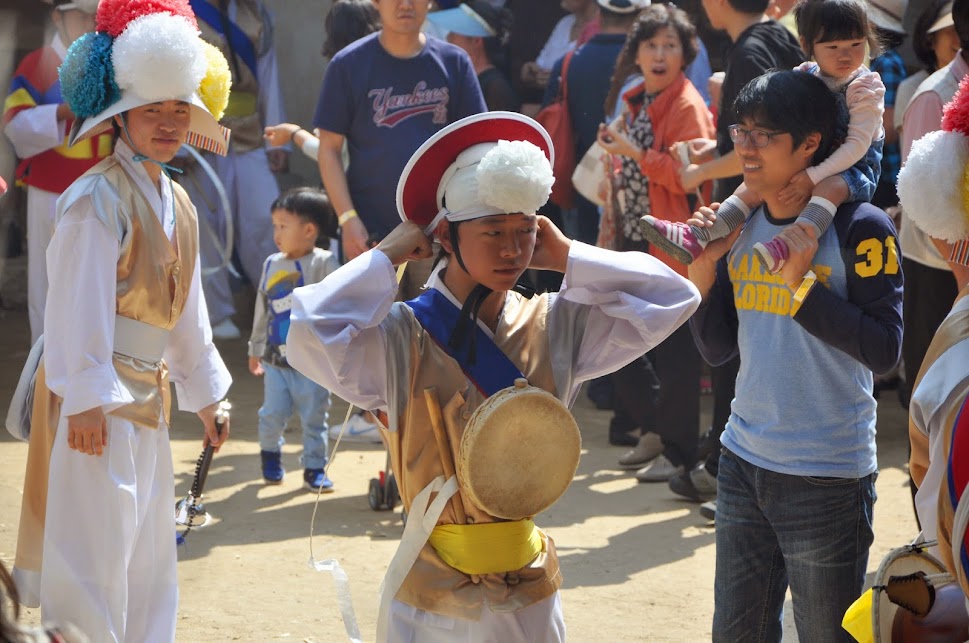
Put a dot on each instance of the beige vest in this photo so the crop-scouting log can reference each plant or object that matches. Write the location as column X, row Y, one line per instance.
column 432, row 585
column 153, row 283
column 242, row 113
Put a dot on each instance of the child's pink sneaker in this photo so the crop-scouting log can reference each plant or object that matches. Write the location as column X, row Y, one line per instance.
column 772, row 254
column 675, row 239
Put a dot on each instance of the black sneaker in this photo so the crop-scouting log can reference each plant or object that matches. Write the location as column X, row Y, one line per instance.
column 709, row 510
column 681, row 485
column 623, row 438
column 696, row 484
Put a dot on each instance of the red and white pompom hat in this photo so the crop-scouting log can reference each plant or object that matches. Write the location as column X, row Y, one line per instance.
column 933, row 185
column 482, row 165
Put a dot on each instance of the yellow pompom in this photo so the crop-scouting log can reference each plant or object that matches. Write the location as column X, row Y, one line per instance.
column 214, row 88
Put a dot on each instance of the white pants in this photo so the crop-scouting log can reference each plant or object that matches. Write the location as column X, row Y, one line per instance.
column 109, row 543
column 541, row 622
column 251, row 189
column 41, row 210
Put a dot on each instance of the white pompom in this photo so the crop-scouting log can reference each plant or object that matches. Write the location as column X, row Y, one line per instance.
column 514, row 176
column 159, row 57
column 931, row 182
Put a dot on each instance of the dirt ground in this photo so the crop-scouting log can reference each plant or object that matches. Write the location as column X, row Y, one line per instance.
column 638, row 562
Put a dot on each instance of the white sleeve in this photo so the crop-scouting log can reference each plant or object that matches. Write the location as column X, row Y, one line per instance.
column 866, row 105
column 311, row 147
column 194, row 364
column 335, row 337
column 35, row 130
column 557, row 44
column 630, row 302
column 82, row 261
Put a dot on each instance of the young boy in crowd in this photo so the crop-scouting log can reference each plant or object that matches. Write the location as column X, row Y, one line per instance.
column 299, row 218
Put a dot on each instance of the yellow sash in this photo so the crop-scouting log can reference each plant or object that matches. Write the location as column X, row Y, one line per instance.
column 488, row 548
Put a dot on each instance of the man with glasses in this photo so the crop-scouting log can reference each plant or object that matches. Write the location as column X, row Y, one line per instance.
column 758, row 45
column 796, row 483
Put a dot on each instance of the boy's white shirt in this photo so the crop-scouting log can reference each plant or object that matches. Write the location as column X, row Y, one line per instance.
column 613, row 307
column 81, row 302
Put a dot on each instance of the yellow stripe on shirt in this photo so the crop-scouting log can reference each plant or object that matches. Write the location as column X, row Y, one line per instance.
column 19, row 99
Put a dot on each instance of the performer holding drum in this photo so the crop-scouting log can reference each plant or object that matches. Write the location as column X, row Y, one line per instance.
column 471, row 564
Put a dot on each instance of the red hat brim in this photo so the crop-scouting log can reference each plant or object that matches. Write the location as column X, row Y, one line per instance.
column 418, row 185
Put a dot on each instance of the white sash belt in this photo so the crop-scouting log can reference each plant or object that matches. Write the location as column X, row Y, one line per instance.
column 421, row 520
column 139, row 340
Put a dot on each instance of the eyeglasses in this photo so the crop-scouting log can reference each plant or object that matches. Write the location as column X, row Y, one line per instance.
column 759, row 138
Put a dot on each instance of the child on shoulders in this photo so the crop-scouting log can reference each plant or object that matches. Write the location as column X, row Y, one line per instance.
column 835, row 34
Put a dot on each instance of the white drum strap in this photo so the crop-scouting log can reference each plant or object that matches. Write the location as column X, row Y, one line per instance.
column 421, row 520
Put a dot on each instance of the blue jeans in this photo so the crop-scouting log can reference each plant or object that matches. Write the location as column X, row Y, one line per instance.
column 862, row 177
column 775, row 530
column 286, row 388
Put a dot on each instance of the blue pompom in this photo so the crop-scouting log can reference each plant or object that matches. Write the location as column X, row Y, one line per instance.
column 87, row 75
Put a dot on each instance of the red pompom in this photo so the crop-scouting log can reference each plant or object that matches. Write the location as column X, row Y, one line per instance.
column 955, row 116
column 114, row 15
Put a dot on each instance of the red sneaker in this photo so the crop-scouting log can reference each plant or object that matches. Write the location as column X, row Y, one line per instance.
column 675, row 239
column 772, row 254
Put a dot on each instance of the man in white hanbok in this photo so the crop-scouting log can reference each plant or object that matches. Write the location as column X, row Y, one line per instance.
column 125, row 315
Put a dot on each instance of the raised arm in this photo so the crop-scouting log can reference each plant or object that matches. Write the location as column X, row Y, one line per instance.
column 616, row 306
column 866, row 105
column 335, row 337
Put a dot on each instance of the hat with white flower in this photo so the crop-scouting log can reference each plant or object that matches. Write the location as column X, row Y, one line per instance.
column 933, row 185
column 142, row 52
column 482, row 165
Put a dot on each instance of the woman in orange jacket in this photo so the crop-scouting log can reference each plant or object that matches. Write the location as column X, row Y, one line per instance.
column 660, row 110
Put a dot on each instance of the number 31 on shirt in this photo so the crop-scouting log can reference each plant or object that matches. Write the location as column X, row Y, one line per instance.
column 876, row 256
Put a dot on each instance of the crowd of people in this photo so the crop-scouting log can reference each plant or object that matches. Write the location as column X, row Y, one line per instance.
column 744, row 227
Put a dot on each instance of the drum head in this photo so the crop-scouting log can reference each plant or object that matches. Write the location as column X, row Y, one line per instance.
column 519, row 452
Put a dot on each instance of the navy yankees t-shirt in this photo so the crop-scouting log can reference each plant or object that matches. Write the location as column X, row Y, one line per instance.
column 386, row 107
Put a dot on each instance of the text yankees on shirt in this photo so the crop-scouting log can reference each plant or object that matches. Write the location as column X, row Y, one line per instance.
column 389, row 108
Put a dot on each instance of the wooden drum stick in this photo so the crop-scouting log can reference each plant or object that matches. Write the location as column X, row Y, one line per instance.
column 443, row 446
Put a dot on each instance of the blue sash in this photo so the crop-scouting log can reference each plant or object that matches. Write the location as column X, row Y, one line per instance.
column 237, row 38
column 492, row 370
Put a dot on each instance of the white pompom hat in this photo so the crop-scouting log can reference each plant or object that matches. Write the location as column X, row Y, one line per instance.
column 486, row 164
column 933, row 185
